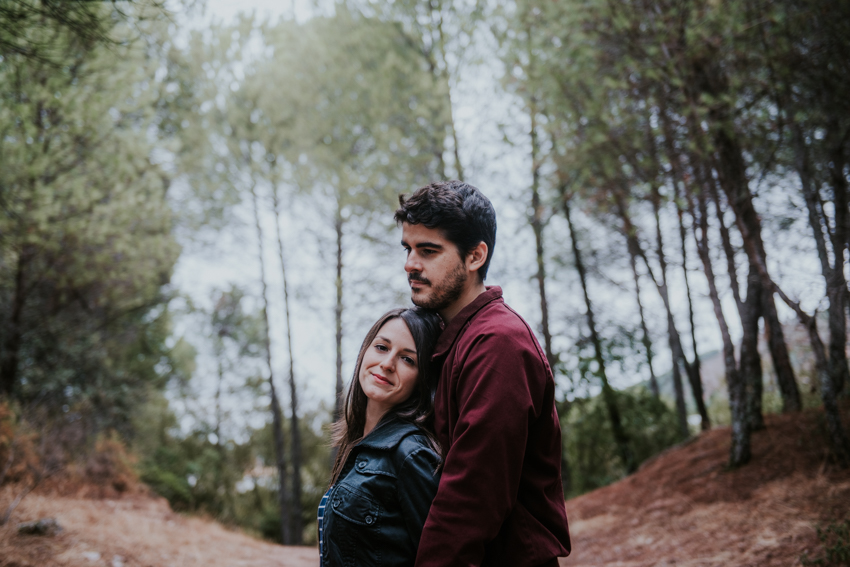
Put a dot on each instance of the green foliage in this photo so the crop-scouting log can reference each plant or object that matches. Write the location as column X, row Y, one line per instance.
column 590, row 452
column 86, row 240
column 835, row 539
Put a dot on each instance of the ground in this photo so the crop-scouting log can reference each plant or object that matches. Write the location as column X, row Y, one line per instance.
column 686, row 508
column 682, row 508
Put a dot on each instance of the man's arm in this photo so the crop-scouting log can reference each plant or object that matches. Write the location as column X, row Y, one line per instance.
column 499, row 393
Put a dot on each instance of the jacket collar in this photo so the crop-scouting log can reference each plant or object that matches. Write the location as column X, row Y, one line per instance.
column 388, row 433
column 453, row 329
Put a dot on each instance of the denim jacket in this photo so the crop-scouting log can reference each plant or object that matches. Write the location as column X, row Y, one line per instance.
column 375, row 511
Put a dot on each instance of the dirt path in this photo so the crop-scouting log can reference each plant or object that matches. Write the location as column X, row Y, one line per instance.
column 136, row 532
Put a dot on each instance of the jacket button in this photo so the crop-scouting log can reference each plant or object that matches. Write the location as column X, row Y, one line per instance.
column 336, row 503
column 369, row 520
column 361, row 464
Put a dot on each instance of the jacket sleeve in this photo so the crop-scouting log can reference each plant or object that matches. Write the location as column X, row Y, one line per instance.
column 417, row 486
column 498, row 394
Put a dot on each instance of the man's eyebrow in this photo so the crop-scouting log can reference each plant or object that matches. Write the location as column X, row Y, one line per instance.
column 423, row 245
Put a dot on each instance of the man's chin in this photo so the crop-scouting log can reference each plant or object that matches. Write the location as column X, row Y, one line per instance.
column 420, row 299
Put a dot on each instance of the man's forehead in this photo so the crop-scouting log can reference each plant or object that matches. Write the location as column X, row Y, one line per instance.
column 413, row 234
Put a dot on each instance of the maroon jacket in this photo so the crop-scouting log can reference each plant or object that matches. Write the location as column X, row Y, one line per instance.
column 500, row 500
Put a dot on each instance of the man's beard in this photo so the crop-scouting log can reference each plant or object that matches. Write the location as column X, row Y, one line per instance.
column 445, row 293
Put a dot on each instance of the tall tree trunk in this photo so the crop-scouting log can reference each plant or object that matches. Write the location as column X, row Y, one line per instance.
column 837, row 436
column 833, row 274
column 732, row 176
column 537, row 228
column 338, row 226
column 620, row 437
column 678, row 355
column 436, row 7
column 294, row 428
column 672, row 334
column 749, row 311
column 694, row 372
column 841, row 247
column 740, row 452
column 750, row 358
column 645, row 339
column 14, row 332
column 277, row 419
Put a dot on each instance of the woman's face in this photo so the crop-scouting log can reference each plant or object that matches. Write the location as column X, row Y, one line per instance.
column 389, row 369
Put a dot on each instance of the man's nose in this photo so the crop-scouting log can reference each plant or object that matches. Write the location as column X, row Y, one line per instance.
column 412, row 263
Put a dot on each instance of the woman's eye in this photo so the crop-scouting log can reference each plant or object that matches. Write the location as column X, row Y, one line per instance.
column 409, row 360
column 381, row 347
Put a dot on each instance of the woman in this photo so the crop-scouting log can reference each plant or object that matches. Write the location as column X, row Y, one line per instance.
column 385, row 474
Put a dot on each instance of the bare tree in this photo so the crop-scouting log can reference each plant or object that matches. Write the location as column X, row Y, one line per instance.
column 621, row 438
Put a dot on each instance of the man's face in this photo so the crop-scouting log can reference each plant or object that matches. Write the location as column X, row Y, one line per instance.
column 435, row 270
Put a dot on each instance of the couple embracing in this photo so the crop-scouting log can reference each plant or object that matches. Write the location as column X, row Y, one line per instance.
column 448, row 450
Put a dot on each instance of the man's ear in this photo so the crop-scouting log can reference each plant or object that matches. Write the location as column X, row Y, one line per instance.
column 476, row 257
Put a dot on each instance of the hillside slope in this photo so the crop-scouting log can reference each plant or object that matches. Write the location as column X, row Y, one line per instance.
column 685, row 508
column 681, row 508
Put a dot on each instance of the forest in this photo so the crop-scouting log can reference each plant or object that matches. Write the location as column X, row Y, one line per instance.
column 196, row 225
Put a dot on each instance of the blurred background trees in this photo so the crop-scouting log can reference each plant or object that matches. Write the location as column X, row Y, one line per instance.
column 195, row 222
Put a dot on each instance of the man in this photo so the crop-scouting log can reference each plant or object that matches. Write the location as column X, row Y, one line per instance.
column 500, row 500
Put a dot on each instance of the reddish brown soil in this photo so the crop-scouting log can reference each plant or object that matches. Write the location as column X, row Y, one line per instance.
column 686, row 508
column 682, row 508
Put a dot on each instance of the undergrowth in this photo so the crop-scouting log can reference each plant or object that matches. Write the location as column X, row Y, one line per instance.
column 835, row 539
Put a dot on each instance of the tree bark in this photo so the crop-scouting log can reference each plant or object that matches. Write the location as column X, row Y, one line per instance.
column 693, row 370
column 829, row 395
column 740, row 451
column 537, row 227
column 338, row 226
column 678, row 355
column 608, row 397
column 14, row 332
column 645, row 339
column 297, row 524
column 277, row 419
column 694, row 374
column 672, row 334
column 732, row 176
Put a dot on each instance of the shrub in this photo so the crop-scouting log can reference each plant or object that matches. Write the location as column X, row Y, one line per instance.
column 590, row 454
column 835, row 539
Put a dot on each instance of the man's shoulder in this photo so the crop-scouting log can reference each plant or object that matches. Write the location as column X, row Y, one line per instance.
column 498, row 324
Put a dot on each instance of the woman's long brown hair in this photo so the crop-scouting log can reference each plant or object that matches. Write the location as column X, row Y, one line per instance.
column 424, row 327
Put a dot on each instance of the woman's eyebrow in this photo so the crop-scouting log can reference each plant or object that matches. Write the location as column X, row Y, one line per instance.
column 386, row 340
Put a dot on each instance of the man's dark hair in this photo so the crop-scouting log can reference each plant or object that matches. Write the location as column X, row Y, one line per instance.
column 460, row 211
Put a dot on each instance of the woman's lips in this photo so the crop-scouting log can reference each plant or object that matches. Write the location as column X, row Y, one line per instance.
column 380, row 379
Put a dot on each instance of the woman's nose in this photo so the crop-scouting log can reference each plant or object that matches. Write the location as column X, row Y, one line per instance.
column 388, row 362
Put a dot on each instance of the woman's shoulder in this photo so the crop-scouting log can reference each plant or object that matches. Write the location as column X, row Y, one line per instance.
column 400, row 437
column 416, row 446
